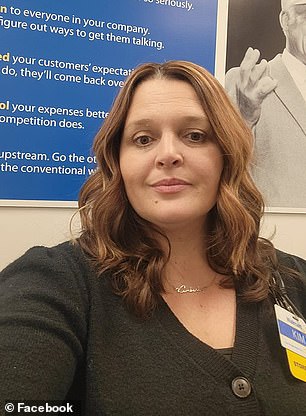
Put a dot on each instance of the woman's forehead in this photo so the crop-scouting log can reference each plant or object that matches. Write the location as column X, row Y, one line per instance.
column 163, row 92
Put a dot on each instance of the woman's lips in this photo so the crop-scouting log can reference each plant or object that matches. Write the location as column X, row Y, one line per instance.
column 168, row 186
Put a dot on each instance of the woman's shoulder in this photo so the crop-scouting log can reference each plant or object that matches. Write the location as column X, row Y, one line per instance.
column 61, row 268
column 295, row 282
column 292, row 261
column 61, row 256
column 44, row 318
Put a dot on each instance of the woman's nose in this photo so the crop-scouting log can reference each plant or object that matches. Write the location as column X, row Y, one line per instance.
column 169, row 152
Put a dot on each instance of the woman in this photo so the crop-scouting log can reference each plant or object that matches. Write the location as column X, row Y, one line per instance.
column 164, row 305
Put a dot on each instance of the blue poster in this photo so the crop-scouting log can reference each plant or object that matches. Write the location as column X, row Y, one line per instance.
column 61, row 65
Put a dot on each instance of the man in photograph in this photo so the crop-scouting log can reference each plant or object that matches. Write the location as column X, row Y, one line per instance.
column 272, row 98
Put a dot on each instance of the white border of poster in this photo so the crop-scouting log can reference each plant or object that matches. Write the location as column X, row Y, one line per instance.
column 221, row 40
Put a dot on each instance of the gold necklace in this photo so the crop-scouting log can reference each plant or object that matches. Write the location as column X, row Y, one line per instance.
column 182, row 289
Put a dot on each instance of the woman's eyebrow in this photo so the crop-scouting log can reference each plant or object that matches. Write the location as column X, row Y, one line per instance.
column 195, row 119
column 139, row 122
column 148, row 121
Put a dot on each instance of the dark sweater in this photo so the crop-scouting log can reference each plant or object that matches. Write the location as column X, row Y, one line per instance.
column 64, row 334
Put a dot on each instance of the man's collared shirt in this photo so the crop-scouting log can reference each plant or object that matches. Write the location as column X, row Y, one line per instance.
column 297, row 70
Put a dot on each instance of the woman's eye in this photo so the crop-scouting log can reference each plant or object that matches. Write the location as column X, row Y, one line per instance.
column 196, row 136
column 143, row 140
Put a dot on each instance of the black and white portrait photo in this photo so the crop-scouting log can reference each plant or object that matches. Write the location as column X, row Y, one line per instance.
column 266, row 79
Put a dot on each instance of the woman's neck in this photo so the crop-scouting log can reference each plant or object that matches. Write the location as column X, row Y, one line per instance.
column 188, row 264
column 186, row 240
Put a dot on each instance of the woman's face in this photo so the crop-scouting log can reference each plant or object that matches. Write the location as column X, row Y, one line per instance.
column 169, row 160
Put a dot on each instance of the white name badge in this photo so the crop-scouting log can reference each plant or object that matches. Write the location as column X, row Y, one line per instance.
column 292, row 331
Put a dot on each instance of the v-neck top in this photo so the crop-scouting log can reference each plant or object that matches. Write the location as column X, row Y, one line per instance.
column 245, row 346
column 64, row 335
column 226, row 352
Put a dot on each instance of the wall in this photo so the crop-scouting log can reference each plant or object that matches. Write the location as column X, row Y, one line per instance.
column 288, row 230
column 22, row 228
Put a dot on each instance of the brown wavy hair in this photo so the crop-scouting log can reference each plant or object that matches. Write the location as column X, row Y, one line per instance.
column 122, row 243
